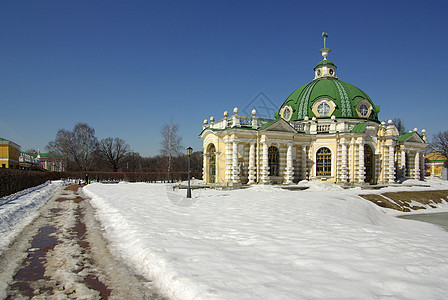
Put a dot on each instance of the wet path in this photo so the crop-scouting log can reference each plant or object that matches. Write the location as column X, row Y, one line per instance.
column 64, row 256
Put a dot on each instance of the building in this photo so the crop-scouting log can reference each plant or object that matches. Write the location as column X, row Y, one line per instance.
column 325, row 130
column 51, row 162
column 29, row 161
column 435, row 162
column 9, row 154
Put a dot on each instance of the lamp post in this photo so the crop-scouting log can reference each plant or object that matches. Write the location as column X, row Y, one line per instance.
column 189, row 151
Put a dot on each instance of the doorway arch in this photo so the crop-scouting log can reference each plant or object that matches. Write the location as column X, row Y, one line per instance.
column 369, row 163
column 211, row 163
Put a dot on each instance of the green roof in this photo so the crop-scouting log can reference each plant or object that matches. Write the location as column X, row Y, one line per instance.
column 2, row 139
column 268, row 124
column 345, row 95
column 359, row 128
column 325, row 62
column 404, row 137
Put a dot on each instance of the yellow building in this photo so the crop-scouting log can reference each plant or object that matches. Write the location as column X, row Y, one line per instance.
column 9, row 154
column 435, row 162
column 325, row 130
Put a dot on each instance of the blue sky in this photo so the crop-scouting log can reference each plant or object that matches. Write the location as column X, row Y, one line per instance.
column 127, row 67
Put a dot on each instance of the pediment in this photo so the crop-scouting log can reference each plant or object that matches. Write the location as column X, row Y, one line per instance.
column 280, row 125
column 411, row 138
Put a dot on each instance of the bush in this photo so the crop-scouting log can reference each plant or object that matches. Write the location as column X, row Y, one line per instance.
column 13, row 181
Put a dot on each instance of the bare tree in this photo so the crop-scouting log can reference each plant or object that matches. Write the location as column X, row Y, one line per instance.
column 112, row 151
column 440, row 144
column 400, row 125
column 133, row 162
column 171, row 143
column 76, row 146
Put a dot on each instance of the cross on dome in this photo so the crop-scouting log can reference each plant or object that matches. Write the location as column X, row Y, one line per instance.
column 325, row 50
column 325, row 68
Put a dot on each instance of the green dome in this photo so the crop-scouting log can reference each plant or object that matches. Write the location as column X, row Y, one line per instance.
column 344, row 101
column 325, row 62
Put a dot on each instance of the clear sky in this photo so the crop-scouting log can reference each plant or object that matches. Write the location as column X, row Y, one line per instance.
column 127, row 67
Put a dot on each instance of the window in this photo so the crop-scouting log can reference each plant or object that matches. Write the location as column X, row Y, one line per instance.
column 363, row 110
column 323, row 162
column 274, row 161
column 323, row 109
column 287, row 113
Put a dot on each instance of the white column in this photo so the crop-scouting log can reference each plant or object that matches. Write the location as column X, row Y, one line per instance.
column 417, row 166
column 252, row 163
column 229, row 159
column 235, row 170
column 304, row 163
column 204, row 165
column 361, row 170
column 344, row 162
column 289, row 174
column 391, row 164
column 403, row 163
column 265, row 165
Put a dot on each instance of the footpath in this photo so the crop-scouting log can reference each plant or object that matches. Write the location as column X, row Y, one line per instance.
column 63, row 255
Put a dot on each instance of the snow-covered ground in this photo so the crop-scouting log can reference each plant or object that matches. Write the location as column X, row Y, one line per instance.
column 267, row 243
column 262, row 242
column 20, row 209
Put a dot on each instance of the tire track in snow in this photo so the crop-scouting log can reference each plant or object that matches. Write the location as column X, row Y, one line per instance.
column 64, row 255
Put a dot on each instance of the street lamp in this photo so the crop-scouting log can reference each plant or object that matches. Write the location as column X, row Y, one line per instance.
column 189, row 151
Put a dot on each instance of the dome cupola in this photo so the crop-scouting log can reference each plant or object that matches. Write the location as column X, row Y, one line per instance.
column 327, row 96
column 325, row 68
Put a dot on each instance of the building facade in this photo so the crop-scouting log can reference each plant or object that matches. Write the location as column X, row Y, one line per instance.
column 29, row 161
column 52, row 162
column 435, row 162
column 9, row 154
column 325, row 130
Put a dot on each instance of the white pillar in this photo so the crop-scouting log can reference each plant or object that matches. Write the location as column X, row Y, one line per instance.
column 289, row 174
column 344, row 162
column 417, row 166
column 391, row 164
column 229, row 160
column 235, row 170
column 304, row 163
column 265, row 167
column 403, row 163
column 252, row 163
column 204, row 165
column 361, row 170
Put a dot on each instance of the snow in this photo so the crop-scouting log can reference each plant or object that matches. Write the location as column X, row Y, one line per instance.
column 267, row 243
column 20, row 209
column 261, row 242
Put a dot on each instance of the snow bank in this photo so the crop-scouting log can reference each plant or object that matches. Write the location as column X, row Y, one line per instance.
column 20, row 209
column 267, row 243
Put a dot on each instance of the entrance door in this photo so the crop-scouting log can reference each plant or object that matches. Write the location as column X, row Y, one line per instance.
column 212, row 164
column 369, row 164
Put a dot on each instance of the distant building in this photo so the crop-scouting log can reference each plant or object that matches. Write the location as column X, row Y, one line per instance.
column 434, row 162
column 51, row 162
column 29, row 161
column 9, row 154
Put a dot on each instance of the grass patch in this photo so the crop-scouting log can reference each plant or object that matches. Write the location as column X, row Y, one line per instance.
column 406, row 201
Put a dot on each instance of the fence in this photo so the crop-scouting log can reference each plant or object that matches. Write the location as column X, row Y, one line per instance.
column 13, row 181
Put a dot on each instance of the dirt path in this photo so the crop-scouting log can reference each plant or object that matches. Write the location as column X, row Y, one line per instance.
column 63, row 255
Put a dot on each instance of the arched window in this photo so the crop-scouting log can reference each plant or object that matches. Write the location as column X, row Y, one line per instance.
column 274, row 161
column 323, row 162
column 212, row 163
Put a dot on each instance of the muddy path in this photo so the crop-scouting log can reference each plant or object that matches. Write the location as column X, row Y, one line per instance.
column 63, row 255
